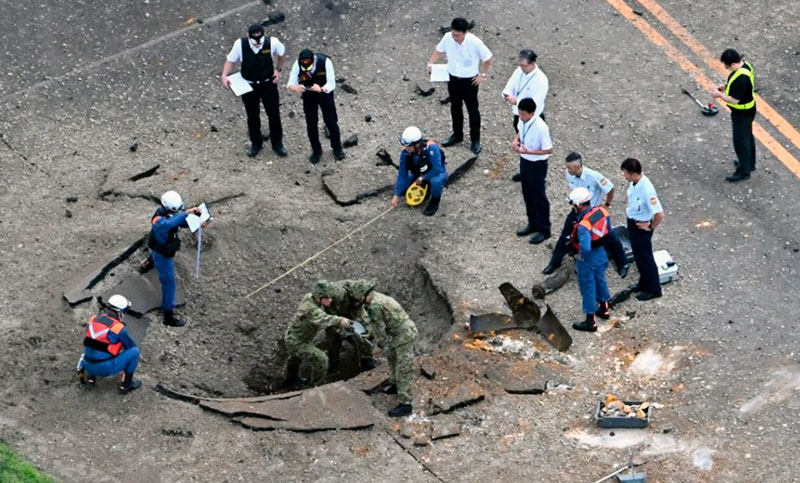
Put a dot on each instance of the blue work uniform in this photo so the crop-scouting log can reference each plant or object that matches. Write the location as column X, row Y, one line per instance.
column 103, row 364
column 591, row 265
column 164, row 243
column 643, row 205
column 429, row 165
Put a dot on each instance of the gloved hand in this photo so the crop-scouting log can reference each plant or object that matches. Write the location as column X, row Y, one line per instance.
column 346, row 324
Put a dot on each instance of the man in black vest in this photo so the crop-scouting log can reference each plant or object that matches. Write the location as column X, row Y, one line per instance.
column 313, row 77
column 256, row 52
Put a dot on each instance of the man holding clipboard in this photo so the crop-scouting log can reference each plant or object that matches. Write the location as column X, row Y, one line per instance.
column 262, row 59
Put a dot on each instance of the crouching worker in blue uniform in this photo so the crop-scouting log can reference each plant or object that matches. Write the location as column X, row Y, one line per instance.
column 422, row 162
column 164, row 243
column 591, row 260
column 109, row 349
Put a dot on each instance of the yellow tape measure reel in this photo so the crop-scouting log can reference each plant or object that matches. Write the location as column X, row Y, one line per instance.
column 416, row 193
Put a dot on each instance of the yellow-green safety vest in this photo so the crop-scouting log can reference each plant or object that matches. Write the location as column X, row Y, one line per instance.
column 748, row 71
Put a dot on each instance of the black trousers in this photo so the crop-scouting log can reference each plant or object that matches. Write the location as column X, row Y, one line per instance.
column 642, row 246
column 744, row 143
column 610, row 243
column 324, row 102
column 461, row 91
column 537, row 207
column 265, row 93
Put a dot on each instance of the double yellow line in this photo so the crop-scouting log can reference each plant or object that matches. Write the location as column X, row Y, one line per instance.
column 766, row 110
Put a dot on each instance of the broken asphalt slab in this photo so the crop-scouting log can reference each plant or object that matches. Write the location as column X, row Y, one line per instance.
column 458, row 397
column 522, row 377
column 144, row 292
column 137, row 327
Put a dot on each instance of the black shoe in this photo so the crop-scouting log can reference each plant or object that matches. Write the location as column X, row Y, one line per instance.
column 476, row 147
column 623, row 270
column 339, row 155
column 400, row 410
column 368, row 363
column 171, row 321
column 390, row 388
column 129, row 384
column 314, row 158
column 87, row 380
column 432, row 208
column 452, row 140
column 253, row 150
column 634, row 288
column 538, row 238
column 643, row 296
column 603, row 311
column 587, row 325
column 281, row 151
column 517, row 177
column 736, row 177
column 550, row 268
column 526, row 230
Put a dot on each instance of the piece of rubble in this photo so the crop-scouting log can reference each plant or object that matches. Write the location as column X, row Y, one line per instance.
column 351, row 141
column 385, row 157
column 178, row 433
column 426, row 369
column 145, row 174
column 137, row 327
column 134, row 147
column 554, row 282
column 425, row 88
column 421, row 440
column 445, row 430
column 347, row 88
column 79, row 289
column 521, row 377
column 273, row 18
column 461, row 170
column 144, row 292
column 459, row 396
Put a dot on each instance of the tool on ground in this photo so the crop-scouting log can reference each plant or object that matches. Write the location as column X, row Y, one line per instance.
column 709, row 110
column 199, row 249
column 640, row 477
column 416, row 193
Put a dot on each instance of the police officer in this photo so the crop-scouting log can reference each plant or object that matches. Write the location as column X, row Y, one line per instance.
column 164, row 243
column 602, row 193
column 257, row 53
column 740, row 95
column 591, row 260
column 422, row 161
column 527, row 80
column 468, row 63
column 314, row 79
column 644, row 215
column 534, row 146
column 109, row 348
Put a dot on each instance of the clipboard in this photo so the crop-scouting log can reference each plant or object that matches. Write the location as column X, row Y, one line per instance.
column 193, row 221
column 239, row 85
column 439, row 73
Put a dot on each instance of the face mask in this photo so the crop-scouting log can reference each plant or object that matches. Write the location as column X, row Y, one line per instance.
column 306, row 68
column 256, row 42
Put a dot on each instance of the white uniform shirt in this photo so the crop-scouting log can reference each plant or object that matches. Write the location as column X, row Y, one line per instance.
column 464, row 59
column 597, row 184
column 235, row 55
column 534, row 85
column 329, row 74
column 534, row 135
column 643, row 202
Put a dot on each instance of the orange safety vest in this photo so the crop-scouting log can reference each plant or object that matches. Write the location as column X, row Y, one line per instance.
column 596, row 221
column 97, row 333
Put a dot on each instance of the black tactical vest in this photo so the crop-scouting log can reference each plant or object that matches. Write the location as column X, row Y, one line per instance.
column 257, row 67
column 318, row 77
column 173, row 243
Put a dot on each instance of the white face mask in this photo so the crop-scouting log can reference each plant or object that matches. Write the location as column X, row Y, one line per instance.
column 257, row 44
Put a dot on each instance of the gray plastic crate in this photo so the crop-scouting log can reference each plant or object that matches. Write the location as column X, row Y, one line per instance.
column 614, row 422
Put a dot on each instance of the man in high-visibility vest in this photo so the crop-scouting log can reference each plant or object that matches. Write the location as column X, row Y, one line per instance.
column 738, row 93
column 590, row 259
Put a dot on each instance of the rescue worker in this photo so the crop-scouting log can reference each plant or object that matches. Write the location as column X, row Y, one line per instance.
column 590, row 259
column 329, row 307
column 644, row 215
column 164, row 243
column 314, row 79
column 262, row 58
column 422, row 161
column 602, row 191
column 740, row 96
column 397, row 332
column 109, row 348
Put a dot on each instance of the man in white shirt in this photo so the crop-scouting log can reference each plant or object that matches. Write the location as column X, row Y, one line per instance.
column 528, row 80
column 644, row 215
column 468, row 63
column 534, row 146
column 601, row 190
column 314, row 79
column 262, row 59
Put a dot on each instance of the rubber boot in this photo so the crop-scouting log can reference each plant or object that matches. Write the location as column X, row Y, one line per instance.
column 433, row 206
column 129, row 383
column 292, row 370
column 604, row 311
column 400, row 410
column 171, row 321
column 587, row 325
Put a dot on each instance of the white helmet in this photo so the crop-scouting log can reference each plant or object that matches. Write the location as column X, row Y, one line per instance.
column 579, row 196
column 172, row 201
column 411, row 135
column 119, row 303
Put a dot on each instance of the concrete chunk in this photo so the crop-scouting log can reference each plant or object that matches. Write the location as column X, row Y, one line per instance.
column 460, row 396
column 144, row 292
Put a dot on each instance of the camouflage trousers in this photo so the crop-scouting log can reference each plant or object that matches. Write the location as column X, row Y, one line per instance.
column 315, row 359
column 402, row 369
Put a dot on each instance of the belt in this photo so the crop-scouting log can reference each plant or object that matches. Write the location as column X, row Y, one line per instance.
column 265, row 81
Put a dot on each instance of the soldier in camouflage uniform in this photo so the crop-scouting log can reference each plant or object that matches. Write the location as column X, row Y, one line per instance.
column 332, row 308
column 393, row 327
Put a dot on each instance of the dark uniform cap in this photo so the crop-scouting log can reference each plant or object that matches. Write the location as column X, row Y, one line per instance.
column 323, row 288
column 362, row 288
column 306, row 54
column 255, row 29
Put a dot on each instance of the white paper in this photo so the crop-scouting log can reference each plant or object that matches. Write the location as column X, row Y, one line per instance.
column 439, row 73
column 239, row 86
column 194, row 221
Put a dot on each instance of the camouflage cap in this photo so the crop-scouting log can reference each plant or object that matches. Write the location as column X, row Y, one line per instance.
column 361, row 288
column 323, row 288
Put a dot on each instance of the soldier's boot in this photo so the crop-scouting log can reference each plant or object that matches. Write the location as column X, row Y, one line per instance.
column 604, row 311
column 129, row 383
column 292, row 370
column 587, row 325
column 333, row 362
column 390, row 388
column 400, row 410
